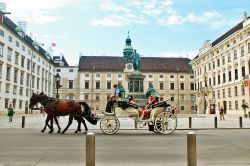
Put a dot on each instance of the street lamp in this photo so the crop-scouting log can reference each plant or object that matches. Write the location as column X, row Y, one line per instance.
column 58, row 79
column 178, row 88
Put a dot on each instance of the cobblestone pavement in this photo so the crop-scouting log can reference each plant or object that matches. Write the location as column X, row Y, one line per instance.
column 198, row 122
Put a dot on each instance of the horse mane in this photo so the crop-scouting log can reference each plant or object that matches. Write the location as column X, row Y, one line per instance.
column 86, row 107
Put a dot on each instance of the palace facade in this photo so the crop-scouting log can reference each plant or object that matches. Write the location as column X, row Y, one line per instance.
column 25, row 67
column 221, row 71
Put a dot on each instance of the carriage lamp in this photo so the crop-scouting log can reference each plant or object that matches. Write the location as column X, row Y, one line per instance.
column 58, row 79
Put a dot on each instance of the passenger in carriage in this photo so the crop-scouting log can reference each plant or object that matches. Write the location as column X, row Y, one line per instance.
column 145, row 114
column 131, row 100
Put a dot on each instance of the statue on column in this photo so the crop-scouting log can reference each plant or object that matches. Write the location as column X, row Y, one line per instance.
column 136, row 59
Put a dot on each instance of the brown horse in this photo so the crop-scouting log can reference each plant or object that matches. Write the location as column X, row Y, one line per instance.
column 55, row 107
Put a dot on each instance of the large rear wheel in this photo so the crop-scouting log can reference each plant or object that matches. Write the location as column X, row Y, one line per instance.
column 109, row 124
column 165, row 122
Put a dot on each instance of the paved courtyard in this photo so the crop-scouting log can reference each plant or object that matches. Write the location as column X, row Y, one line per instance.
column 198, row 122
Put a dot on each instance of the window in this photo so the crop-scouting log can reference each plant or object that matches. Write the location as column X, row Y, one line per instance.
column 97, row 85
column 97, row 75
column 9, row 53
column 242, row 90
column 242, row 51
column 229, row 92
column 182, row 86
column 209, row 66
column 86, row 85
column 230, row 105
column 109, row 75
column 218, row 79
column 223, row 60
column 223, row 93
column 97, row 107
column 109, row 85
column 214, row 81
column 1, row 33
column 1, row 49
column 235, row 91
column 218, row 94
column 182, row 98
column 150, row 84
column 7, row 88
column 6, row 103
column 71, row 70
column 15, row 75
column 218, row 62
column 213, row 65
column 71, row 84
column 235, row 54
column 21, row 78
column 97, row 97
column 17, row 43
column 10, row 39
column 58, row 70
column 86, row 96
column 119, row 75
column 171, row 76
column 236, row 105
column 28, row 65
column 16, row 57
column 236, row 74
column 87, row 75
column 224, row 77
column 23, row 48
column 182, row 108
column 229, row 76
column 172, row 98
column 161, row 76
column 8, row 73
column 161, row 86
column 229, row 57
column 150, row 76
column 210, row 81
column 243, row 71
column 22, row 61
column 172, row 86
column 181, row 76
column 21, row 91
column 192, row 86
column 248, row 47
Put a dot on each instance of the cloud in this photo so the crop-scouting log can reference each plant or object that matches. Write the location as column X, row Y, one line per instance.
column 36, row 11
column 213, row 19
column 185, row 54
column 119, row 20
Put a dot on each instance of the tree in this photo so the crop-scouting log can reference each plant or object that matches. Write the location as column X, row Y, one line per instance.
column 244, row 107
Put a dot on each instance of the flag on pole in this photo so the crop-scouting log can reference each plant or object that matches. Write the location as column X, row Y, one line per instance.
column 53, row 44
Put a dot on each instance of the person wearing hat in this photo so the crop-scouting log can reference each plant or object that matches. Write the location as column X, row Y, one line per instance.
column 113, row 98
column 10, row 112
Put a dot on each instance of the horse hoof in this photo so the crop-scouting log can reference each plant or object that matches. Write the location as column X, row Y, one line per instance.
column 59, row 131
column 85, row 132
column 62, row 132
column 76, row 131
column 50, row 132
column 42, row 131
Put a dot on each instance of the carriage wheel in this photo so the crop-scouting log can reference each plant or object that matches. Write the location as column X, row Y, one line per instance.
column 109, row 124
column 165, row 123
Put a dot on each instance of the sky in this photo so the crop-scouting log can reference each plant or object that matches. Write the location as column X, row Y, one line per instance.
column 157, row 28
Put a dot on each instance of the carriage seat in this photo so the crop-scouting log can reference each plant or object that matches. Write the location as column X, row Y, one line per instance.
column 126, row 104
column 160, row 104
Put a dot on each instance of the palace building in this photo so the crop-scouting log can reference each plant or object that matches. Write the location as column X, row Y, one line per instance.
column 221, row 71
column 25, row 67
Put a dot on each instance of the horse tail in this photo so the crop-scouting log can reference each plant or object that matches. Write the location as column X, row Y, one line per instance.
column 87, row 114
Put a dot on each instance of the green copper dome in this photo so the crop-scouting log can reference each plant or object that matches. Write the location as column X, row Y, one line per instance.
column 19, row 29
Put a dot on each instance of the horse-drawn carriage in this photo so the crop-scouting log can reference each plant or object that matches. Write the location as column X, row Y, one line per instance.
column 158, row 117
